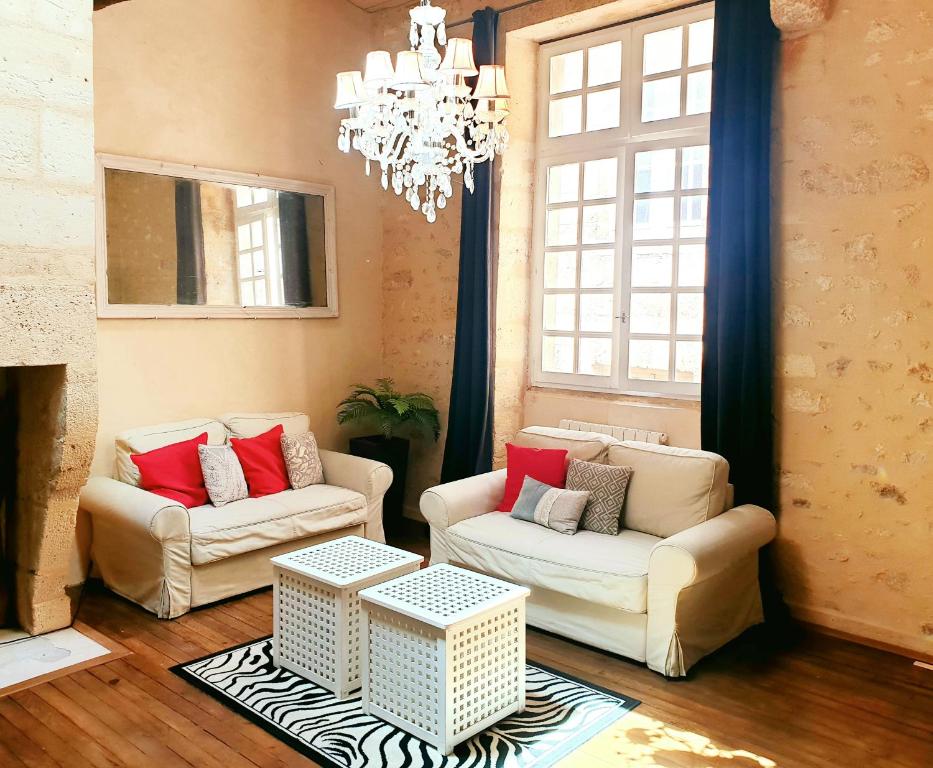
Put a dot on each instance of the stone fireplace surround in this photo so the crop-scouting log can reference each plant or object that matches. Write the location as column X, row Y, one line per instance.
column 47, row 315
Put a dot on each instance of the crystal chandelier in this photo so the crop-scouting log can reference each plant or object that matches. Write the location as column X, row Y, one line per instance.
column 417, row 120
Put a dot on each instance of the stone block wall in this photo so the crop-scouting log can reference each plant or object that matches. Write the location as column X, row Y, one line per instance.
column 47, row 314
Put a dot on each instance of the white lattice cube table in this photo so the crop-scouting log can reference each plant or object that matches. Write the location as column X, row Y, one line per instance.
column 443, row 653
column 316, row 629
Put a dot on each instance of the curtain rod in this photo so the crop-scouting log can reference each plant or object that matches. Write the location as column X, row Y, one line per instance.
column 513, row 7
column 516, row 6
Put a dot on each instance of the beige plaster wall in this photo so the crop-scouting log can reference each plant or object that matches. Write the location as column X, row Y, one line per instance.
column 854, row 225
column 47, row 323
column 243, row 85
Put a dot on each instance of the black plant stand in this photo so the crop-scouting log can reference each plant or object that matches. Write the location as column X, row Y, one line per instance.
column 393, row 452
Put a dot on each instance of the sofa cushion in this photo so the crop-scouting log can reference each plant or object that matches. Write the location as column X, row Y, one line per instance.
column 608, row 570
column 671, row 489
column 249, row 524
column 253, row 424
column 547, row 465
column 145, row 439
column 587, row 446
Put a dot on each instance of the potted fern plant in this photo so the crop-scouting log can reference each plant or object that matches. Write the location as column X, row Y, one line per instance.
column 395, row 417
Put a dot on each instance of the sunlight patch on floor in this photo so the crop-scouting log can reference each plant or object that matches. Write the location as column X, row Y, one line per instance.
column 637, row 741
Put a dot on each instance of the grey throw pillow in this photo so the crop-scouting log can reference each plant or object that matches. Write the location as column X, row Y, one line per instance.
column 302, row 460
column 223, row 475
column 607, row 485
column 554, row 508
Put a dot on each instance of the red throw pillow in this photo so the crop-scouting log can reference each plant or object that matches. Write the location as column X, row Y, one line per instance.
column 262, row 461
column 547, row 465
column 174, row 471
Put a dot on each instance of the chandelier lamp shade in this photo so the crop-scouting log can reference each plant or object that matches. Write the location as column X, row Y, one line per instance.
column 420, row 121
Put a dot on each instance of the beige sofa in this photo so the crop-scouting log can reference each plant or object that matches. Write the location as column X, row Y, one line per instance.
column 679, row 581
column 170, row 559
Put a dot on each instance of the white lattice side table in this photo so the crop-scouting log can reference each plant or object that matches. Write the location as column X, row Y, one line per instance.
column 316, row 629
column 443, row 653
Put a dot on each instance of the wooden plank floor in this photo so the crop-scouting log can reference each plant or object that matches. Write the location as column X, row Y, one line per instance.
column 823, row 702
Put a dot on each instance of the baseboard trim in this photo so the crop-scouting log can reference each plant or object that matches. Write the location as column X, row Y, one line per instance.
column 834, row 624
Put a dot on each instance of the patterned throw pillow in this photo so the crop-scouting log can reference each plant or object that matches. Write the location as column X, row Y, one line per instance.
column 302, row 460
column 607, row 485
column 223, row 475
column 554, row 508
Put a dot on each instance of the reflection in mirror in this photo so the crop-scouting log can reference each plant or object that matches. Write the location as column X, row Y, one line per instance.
column 178, row 241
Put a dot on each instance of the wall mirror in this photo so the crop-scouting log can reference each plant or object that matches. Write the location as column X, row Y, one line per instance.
column 185, row 241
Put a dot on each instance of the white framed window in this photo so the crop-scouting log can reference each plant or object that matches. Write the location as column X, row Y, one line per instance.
column 259, row 251
column 622, row 168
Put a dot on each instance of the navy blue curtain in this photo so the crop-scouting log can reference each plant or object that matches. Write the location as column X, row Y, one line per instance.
column 468, row 449
column 296, row 259
column 736, row 418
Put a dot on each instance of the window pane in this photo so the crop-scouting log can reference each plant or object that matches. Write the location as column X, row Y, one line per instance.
column 649, row 360
column 567, row 72
column 557, row 354
column 605, row 64
column 565, row 116
column 654, row 171
column 596, row 269
column 602, row 110
column 242, row 237
column 651, row 313
column 563, row 183
column 256, row 233
column 243, row 197
column 690, row 314
column 651, row 266
column 246, row 265
column 660, row 99
column 596, row 312
column 260, row 287
column 599, row 224
column 560, row 269
column 699, row 92
column 599, row 178
column 694, row 172
column 561, row 227
column 688, row 359
column 663, row 51
column 700, row 42
column 693, row 216
column 260, row 195
column 259, row 263
column 559, row 311
column 246, row 294
column 691, row 265
column 654, row 219
column 596, row 357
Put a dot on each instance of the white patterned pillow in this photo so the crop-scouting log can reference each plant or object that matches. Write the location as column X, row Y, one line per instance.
column 223, row 475
column 302, row 460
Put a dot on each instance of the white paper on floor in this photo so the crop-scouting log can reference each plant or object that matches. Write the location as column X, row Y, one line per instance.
column 25, row 659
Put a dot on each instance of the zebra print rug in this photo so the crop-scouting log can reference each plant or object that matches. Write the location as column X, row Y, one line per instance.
column 561, row 714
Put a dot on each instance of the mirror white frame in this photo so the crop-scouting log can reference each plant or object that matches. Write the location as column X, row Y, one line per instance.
column 152, row 311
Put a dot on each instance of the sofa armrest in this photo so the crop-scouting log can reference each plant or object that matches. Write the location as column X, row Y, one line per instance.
column 371, row 478
column 703, row 587
column 109, row 500
column 704, row 550
column 448, row 504
column 140, row 544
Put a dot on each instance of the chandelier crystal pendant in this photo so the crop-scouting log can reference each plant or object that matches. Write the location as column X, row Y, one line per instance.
column 419, row 120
